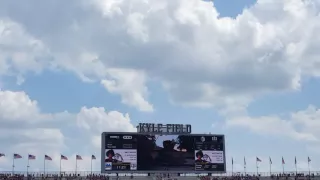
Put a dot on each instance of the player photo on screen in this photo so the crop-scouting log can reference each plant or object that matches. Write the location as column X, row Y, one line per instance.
column 202, row 158
column 111, row 156
column 116, row 156
column 166, row 152
column 209, row 156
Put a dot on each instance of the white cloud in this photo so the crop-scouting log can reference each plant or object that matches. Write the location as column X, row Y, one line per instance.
column 20, row 52
column 202, row 59
column 11, row 103
column 302, row 125
column 25, row 129
column 97, row 120
column 130, row 85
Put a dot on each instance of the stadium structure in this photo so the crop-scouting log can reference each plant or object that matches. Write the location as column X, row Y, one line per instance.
column 161, row 152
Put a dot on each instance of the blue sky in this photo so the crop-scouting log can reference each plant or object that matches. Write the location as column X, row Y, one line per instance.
column 102, row 66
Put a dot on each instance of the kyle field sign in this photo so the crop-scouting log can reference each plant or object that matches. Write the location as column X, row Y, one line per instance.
column 164, row 128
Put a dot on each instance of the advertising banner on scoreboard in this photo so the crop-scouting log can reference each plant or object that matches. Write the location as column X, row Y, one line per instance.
column 209, row 156
column 179, row 153
column 121, row 159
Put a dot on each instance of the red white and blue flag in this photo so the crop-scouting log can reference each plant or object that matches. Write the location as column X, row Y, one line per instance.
column 283, row 161
column 258, row 160
column 78, row 157
column 31, row 157
column 63, row 157
column 17, row 156
column 93, row 157
column 2, row 155
column 46, row 157
column 309, row 160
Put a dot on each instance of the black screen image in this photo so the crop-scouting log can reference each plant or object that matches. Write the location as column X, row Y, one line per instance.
column 178, row 153
column 165, row 153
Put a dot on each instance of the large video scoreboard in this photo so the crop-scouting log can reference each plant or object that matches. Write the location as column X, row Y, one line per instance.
column 145, row 152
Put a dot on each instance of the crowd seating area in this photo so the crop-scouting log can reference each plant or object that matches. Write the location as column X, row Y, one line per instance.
column 155, row 177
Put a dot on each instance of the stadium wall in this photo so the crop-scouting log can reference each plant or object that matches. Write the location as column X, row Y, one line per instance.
column 85, row 173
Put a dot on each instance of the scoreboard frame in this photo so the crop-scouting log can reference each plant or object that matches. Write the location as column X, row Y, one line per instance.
column 104, row 134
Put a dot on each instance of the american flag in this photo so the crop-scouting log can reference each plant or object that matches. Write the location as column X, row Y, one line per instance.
column 258, row 160
column 93, row 157
column 270, row 161
column 63, row 157
column 2, row 154
column 16, row 156
column 283, row 161
column 78, row 157
column 31, row 157
column 232, row 161
column 46, row 157
column 309, row 160
column 295, row 160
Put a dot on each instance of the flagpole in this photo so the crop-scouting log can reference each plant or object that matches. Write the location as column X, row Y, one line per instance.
column 309, row 165
column 232, row 167
column 76, row 164
column 244, row 166
column 60, row 166
column 282, row 168
column 295, row 159
column 257, row 167
column 44, row 165
column 245, row 170
column 270, row 165
column 28, row 166
column 13, row 165
column 91, row 166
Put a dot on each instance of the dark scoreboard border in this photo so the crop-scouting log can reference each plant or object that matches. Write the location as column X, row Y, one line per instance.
column 104, row 134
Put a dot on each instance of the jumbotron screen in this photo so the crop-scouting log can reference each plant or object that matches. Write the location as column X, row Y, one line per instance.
column 180, row 153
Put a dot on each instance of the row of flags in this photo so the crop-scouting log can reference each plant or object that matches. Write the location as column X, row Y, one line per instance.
column 78, row 157
column 270, row 161
column 46, row 157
